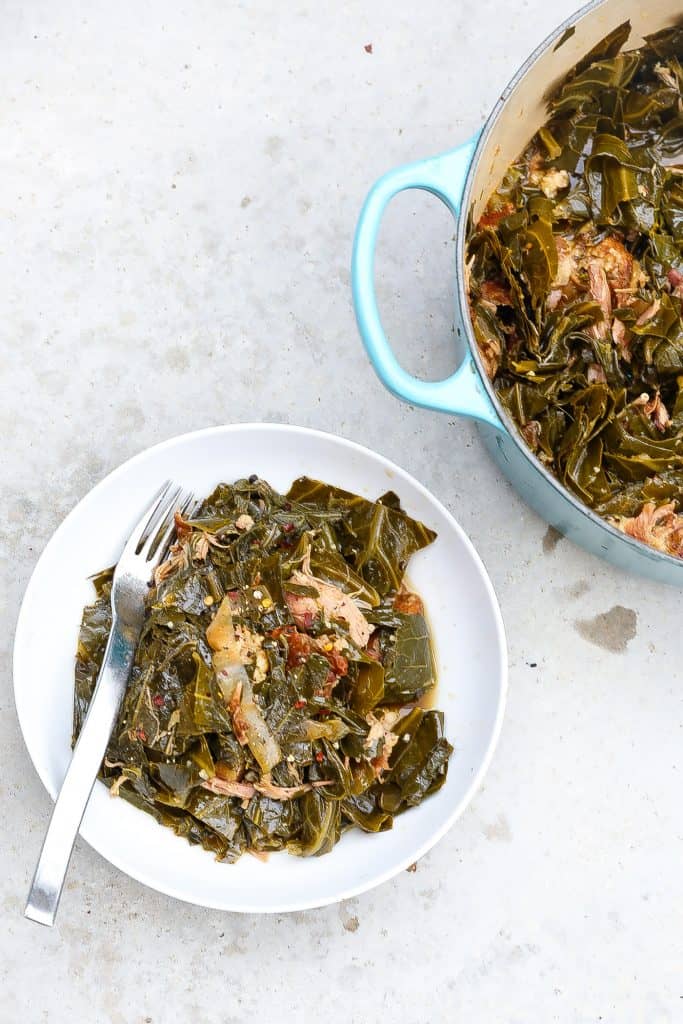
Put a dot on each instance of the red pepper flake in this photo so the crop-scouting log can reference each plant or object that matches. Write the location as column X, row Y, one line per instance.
column 319, row 756
column 288, row 527
column 141, row 734
column 158, row 700
column 300, row 704
column 324, row 712
column 368, row 47
column 490, row 218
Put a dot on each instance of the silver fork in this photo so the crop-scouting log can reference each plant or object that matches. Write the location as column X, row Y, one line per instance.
column 144, row 551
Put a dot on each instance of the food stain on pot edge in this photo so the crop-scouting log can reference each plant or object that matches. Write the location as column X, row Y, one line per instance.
column 564, row 38
column 610, row 630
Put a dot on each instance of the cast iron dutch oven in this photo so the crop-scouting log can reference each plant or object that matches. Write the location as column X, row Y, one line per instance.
column 463, row 179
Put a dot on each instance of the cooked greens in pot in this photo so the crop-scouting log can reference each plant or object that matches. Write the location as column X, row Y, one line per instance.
column 576, row 287
column 277, row 694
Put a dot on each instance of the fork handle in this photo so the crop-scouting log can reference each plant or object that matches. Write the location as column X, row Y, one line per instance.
column 46, row 888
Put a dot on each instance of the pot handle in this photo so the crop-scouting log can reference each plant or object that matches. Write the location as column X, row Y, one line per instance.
column 444, row 176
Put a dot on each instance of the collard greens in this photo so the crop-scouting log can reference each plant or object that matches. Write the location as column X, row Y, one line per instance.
column 576, row 286
column 276, row 695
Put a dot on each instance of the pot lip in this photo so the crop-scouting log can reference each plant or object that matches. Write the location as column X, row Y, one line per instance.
column 510, row 429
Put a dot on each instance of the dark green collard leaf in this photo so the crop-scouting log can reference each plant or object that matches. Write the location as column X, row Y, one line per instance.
column 661, row 489
column 410, row 669
column 315, row 493
column 564, row 330
column 672, row 210
column 583, row 92
column 331, row 567
column 92, row 640
column 430, row 775
column 667, row 44
column 419, row 764
column 203, row 709
column 608, row 47
column 664, row 324
column 617, row 165
column 523, row 402
column 184, row 592
column 271, row 823
column 231, row 758
column 174, row 782
column 614, row 148
column 384, row 615
column 320, row 825
column 550, row 144
column 378, row 540
column 662, row 336
column 667, row 146
column 333, row 770
column 574, row 207
column 488, row 333
column 580, row 451
column 219, row 813
column 333, row 730
column 390, row 499
column 662, row 256
column 217, row 837
column 637, row 448
column 642, row 108
column 363, row 810
column 539, row 260
column 584, row 473
column 386, row 540
column 285, row 719
column 101, row 581
column 368, row 689
column 677, row 408
column 565, row 37
column 201, row 756
column 309, row 679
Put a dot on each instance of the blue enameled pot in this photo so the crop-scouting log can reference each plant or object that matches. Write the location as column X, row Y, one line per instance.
column 463, row 179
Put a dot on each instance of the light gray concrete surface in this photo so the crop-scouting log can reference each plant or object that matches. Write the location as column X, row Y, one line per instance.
column 180, row 184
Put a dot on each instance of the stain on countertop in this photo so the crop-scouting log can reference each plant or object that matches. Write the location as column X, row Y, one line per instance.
column 349, row 921
column 499, row 831
column 612, row 630
column 578, row 589
column 551, row 538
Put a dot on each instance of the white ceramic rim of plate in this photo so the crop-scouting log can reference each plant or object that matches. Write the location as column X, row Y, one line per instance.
column 393, row 470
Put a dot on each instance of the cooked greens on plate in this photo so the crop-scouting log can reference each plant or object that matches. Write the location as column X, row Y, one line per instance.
column 575, row 276
column 278, row 692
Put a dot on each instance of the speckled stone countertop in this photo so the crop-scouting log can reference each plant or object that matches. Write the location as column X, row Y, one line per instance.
column 180, row 185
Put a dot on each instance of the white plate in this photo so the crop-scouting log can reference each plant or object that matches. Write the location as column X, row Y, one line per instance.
column 466, row 623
